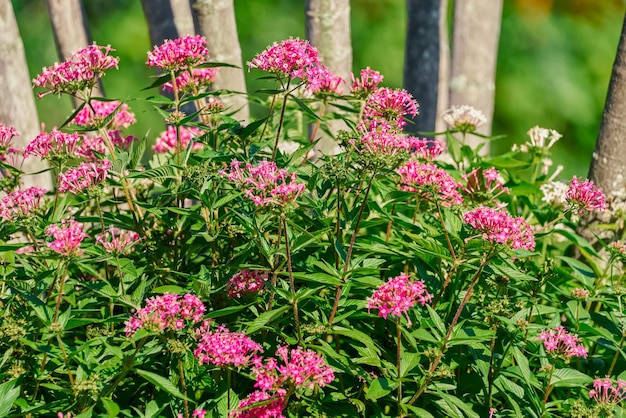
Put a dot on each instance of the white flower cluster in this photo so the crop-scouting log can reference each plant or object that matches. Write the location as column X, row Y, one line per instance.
column 554, row 193
column 540, row 138
column 465, row 118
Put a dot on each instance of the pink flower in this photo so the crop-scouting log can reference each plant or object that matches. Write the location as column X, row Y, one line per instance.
column 13, row 157
column 483, row 184
column 429, row 182
column 180, row 53
column 390, row 105
column 320, row 80
column 21, row 203
column 222, row 347
column 560, row 343
column 123, row 117
column 67, row 238
column 246, row 282
column 7, row 133
column 167, row 141
column 302, row 368
column 90, row 147
column 166, row 312
column 367, row 83
column 199, row 413
column 193, row 80
column 498, row 226
column 265, row 184
column 377, row 137
column 608, row 391
column 81, row 71
column 426, row 149
column 261, row 404
column 117, row 241
column 56, row 143
column 85, row 176
column 397, row 296
column 290, row 58
column 584, row 196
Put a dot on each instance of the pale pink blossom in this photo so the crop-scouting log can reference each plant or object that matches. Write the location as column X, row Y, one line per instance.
column 117, row 241
column 168, row 142
column 367, row 83
column 198, row 413
column 608, row 391
column 123, row 118
column 166, row 312
column 559, row 342
column 429, row 182
column 261, row 404
column 320, row 80
column 85, row 176
column 426, row 149
column 53, row 144
column 192, row 81
column 13, row 157
column 499, row 227
column 181, row 53
column 464, row 118
column 390, row 105
column 7, row 133
column 67, row 238
column 380, row 139
column 290, row 58
column 584, row 196
column 224, row 348
column 483, row 184
column 397, row 295
column 246, row 282
column 21, row 203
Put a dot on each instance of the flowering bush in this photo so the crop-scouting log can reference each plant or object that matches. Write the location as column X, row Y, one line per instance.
column 404, row 276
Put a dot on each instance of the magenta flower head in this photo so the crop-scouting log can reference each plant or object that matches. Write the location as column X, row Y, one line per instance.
column 560, row 343
column 390, row 105
column 167, row 312
column 321, row 81
column 192, row 81
column 426, row 149
column 246, row 282
column 498, row 226
column 178, row 54
column 224, row 348
column 118, row 241
column 79, row 73
column 584, row 196
column 123, row 117
column 7, row 133
column 483, row 184
column 290, row 58
column 367, row 83
column 84, row 177
column 608, row 392
column 67, row 238
column 21, row 203
column 429, row 182
column 52, row 145
column 261, row 404
column 397, row 295
column 167, row 142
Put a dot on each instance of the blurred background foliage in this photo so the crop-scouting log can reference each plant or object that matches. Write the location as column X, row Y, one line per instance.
column 554, row 60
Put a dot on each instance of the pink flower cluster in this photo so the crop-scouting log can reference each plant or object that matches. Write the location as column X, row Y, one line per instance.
column 224, row 348
column 7, row 133
column 90, row 148
column 81, row 71
column 261, row 404
column 367, row 83
column 167, row 141
column 391, row 106
column 398, row 295
column 483, row 184
column 559, row 342
column 584, row 196
column 20, row 203
column 13, row 157
column 498, row 226
column 265, row 184
column 429, row 182
column 608, row 391
column 117, row 241
column 67, row 238
column 166, row 312
column 320, row 80
column 290, row 58
column 427, row 149
column 93, row 113
column 85, row 176
column 180, row 53
column 55, row 143
column 302, row 368
column 246, row 282
column 192, row 81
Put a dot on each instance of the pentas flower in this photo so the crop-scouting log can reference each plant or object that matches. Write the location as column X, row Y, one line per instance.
column 499, row 227
column 123, row 118
column 560, row 343
column 21, row 203
column 554, row 193
column 290, row 58
column 484, row 184
column 464, row 118
column 91, row 148
column 367, row 83
column 166, row 312
column 584, row 196
column 298, row 367
column 198, row 413
column 120, row 140
column 13, row 157
column 49, row 145
column 580, row 293
column 85, row 176
column 608, row 391
column 192, row 81
column 427, row 149
column 397, row 295
column 264, row 183
column 67, row 238
column 429, row 182
column 81, row 71
column 179, row 53
column 224, row 348
column 117, row 241
column 320, row 81
column 7, row 133
column 390, row 105
column 246, row 282
column 261, row 404
column 541, row 139
column 380, row 139
column 167, row 141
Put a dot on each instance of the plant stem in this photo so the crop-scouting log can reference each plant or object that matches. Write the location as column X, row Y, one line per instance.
column 616, row 356
column 291, row 281
column 183, row 385
column 274, row 278
column 280, row 122
column 399, row 359
column 548, row 387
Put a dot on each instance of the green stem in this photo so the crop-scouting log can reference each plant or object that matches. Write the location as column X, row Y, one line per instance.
column 399, row 359
column 183, row 385
column 291, row 281
column 280, row 121
column 549, row 386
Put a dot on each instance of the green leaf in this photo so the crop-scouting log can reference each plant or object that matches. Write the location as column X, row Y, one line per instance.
column 379, row 388
column 357, row 336
column 522, row 363
column 266, row 317
column 111, row 407
column 161, row 383
column 436, row 320
column 304, row 107
column 569, row 377
column 8, row 395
